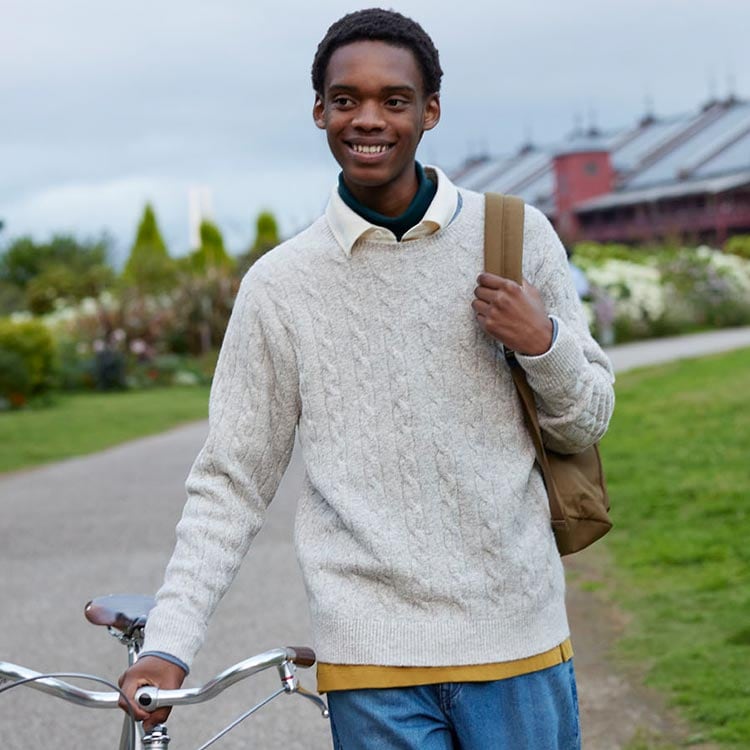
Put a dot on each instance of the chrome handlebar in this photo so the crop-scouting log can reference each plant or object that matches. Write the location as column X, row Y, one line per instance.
column 150, row 698
column 12, row 673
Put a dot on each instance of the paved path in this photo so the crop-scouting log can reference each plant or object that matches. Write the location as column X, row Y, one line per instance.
column 104, row 523
column 657, row 351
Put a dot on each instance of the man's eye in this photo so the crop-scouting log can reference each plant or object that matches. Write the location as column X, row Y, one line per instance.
column 342, row 101
column 395, row 102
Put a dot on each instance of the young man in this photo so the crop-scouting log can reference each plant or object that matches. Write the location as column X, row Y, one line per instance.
column 435, row 587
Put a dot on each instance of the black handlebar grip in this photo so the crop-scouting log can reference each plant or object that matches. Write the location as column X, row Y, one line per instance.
column 303, row 656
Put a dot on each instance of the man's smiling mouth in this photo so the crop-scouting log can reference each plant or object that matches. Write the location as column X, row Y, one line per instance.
column 361, row 148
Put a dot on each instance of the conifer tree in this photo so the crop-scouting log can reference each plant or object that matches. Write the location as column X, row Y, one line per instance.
column 211, row 253
column 149, row 266
column 266, row 238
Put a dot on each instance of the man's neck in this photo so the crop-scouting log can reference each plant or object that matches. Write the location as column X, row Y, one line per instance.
column 391, row 200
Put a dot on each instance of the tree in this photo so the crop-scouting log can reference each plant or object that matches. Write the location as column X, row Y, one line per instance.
column 149, row 266
column 266, row 238
column 22, row 261
column 211, row 253
column 64, row 268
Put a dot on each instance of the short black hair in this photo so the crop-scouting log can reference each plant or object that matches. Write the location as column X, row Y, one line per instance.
column 377, row 24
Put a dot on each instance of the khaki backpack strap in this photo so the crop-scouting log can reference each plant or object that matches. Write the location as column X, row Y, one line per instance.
column 503, row 236
column 503, row 254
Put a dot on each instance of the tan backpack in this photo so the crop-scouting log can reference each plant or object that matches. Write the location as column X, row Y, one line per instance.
column 578, row 498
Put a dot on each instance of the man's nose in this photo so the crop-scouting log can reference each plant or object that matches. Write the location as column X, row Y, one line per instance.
column 369, row 117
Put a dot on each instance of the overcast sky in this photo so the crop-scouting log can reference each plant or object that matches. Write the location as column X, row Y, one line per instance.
column 106, row 105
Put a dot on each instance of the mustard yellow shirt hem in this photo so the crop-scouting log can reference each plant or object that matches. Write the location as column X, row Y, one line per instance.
column 363, row 676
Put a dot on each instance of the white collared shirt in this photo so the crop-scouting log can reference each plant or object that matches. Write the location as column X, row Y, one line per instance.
column 348, row 226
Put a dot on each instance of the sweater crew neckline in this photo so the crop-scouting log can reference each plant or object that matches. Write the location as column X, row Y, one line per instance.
column 349, row 228
column 399, row 225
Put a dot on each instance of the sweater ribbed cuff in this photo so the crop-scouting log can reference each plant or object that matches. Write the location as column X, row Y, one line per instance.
column 167, row 657
column 561, row 365
column 173, row 635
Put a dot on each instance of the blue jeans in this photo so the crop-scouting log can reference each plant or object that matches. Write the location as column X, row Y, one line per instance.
column 536, row 711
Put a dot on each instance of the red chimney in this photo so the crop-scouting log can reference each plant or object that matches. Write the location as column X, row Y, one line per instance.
column 580, row 174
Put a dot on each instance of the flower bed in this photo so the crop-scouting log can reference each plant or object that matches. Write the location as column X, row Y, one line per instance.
column 638, row 294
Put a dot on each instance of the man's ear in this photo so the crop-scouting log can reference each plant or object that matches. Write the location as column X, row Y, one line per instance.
column 431, row 116
column 319, row 110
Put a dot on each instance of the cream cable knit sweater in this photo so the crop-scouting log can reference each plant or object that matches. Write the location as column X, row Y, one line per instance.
column 423, row 529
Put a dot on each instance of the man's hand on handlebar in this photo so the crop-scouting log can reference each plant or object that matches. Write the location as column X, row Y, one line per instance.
column 150, row 670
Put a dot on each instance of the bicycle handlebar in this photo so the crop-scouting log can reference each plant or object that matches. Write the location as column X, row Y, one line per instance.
column 72, row 693
column 150, row 698
column 304, row 656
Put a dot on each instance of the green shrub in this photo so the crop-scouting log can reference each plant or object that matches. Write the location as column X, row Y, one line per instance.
column 588, row 254
column 32, row 344
column 75, row 370
column 11, row 298
column 15, row 382
column 165, row 370
column 738, row 245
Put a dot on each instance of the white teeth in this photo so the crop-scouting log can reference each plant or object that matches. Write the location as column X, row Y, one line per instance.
column 359, row 148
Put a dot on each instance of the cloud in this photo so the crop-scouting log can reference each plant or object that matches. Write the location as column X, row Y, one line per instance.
column 115, row 206
column 104, row 105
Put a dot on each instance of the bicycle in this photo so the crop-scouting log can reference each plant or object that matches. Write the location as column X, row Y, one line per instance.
column 125, row 616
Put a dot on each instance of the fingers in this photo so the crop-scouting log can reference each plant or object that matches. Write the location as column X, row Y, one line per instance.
column 491, row 281
column 150, row 670
column 500, row 290
column 159, row 716
column 129, row 687
column 485, row 293
column 150, row 720
column 481, row 309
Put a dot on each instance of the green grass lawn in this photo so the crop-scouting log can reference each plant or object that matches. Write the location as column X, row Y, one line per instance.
column 678, row 465
column 677, row 458
column 82, row 423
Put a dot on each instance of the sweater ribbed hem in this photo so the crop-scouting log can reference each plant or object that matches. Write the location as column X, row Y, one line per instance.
column 441, row 642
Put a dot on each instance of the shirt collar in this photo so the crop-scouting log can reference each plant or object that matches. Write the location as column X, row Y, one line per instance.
column 348, row 226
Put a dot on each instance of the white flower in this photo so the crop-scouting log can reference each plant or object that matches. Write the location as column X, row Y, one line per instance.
column 635, row 287
column 138, row 346
column 185, row 377
column 107, row 299
column 88, row 306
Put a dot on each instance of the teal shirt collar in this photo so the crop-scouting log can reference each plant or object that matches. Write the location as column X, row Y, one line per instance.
column 399, row 225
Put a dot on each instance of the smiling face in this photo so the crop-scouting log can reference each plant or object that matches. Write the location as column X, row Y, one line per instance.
column 374, row 111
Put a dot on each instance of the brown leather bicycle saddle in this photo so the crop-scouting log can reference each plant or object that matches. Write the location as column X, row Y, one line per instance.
column 122, row 611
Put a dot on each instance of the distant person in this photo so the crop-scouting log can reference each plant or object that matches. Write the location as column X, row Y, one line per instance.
column 436, row 591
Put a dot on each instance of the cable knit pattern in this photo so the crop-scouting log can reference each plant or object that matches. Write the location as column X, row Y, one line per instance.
column 423, row 527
